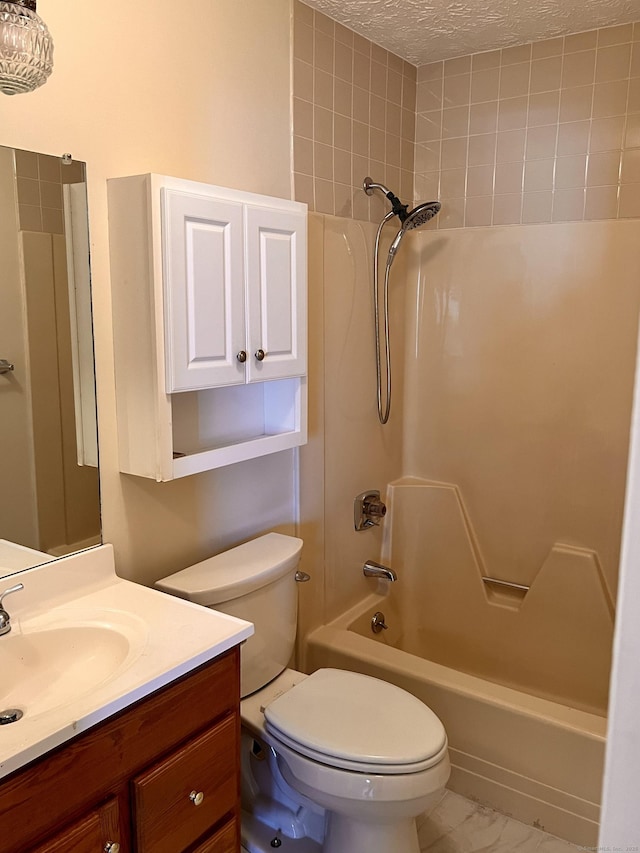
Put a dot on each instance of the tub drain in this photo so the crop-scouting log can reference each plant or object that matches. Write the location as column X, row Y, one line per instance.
column 11, row 715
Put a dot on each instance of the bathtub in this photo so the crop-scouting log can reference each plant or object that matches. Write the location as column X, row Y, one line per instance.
column 534, row 759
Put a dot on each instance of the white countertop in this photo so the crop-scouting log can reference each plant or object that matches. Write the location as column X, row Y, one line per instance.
column 167, row 637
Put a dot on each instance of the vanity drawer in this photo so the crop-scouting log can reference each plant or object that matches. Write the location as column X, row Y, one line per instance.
column 91, row 834
column 225, row 840
column 183, row 796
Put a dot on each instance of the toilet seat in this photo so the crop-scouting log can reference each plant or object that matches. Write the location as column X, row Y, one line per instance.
column 358, row 723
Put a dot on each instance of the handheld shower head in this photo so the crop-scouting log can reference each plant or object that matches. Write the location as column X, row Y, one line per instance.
column 420, row 215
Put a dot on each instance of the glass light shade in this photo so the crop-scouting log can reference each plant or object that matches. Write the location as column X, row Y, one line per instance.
column 26, row 48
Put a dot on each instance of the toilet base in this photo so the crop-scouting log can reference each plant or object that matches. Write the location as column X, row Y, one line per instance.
column 369, row 837
column 257, row 838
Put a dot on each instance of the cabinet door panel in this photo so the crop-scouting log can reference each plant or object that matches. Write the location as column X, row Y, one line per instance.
column 90, row 834
column 204, row 275
column 225, row 840
column 182, row 797
column 276, row 293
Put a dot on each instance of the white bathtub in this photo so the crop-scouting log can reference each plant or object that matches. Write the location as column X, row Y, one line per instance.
column 534, row 759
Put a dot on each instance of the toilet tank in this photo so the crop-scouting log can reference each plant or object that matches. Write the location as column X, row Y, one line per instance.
column 256, row 582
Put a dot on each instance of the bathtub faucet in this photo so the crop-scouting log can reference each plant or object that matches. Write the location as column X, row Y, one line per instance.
column 376, row 570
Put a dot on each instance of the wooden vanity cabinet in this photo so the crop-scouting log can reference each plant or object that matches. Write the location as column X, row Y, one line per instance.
column 161, row 776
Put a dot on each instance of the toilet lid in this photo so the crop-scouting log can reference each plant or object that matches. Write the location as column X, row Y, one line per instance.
column 352, row 721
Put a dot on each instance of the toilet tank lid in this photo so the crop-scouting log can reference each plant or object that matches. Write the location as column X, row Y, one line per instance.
column 236, row 572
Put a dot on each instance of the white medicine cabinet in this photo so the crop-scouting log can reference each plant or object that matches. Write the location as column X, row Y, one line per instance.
column 209, row 291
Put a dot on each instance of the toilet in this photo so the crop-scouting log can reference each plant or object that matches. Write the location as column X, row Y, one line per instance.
column 335, row 761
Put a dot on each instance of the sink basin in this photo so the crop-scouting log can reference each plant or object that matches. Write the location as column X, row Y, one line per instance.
column 47, row 666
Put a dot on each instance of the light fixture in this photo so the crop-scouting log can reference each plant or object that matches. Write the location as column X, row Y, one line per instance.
column 26, row 48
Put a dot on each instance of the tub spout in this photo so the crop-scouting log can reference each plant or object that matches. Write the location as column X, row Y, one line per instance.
column 376, row 570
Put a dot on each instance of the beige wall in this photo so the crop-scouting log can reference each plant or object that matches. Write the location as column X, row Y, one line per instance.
column 353, row 116
column 203, row 96
column 19, row 521
column 543, row 132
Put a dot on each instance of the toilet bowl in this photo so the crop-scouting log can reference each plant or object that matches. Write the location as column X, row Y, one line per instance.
column 335, row 761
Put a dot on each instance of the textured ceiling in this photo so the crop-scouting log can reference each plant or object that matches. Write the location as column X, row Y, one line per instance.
column 424, row 31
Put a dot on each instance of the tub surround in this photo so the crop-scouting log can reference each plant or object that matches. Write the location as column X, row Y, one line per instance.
column 167, row 638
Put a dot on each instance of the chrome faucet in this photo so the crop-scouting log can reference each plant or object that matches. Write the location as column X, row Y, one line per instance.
column 5, row 619
column 376, row 570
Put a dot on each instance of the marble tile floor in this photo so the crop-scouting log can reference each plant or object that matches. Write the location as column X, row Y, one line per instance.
column 458, row 825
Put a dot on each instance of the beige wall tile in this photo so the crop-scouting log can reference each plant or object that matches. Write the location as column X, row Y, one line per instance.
column 607, row 133
column 515, row 81
column 344, row 35
column 631, row 133
column 581, row 41
column 478, row 211
column 538, row 175
column 323, row 89
column 433, row 71
column 457, row 90
column 480, row 181
column 52, row 221
column 615, row 35
column 575, row 103
column 429, row 96
column 489, row 59
column 512, row 55
column 578, row 69
column 568, row 205
column 573, row 138
column 342, row 166
column 324, row 197
column 361, row 70
column 452, row 213
column 610, row 99
column 507, row 209
column 323, row 125
column 49, row 168
column 377, row 112
column 485, row 85
column 352, row 101
column 303, row 118
column 30, row 217
column 633, row 103
column 570, row 172
column 303, row 185
column 453, row 153
column 453, row 183
column 613, row 63
column 394, row 87
column 482, row 149
column 508, row 177
column 360, row 138
column 635, row 60
column 303, row 80
column 455, row 122
column 630, row 172
column 601, row 203
column 543, row 108
column 629, row 201
column 342, row 132
column 343, row 62
column 362, row 45
column 28, row 190
column 323, row 161
column 536, row 207
column 379, row 79
column 323, row 51
column 302, row 155
column 546, row 74
column 510, row 146
column 429, row 126
column 26, row 164
column 512, row 113
column 303, row 42
column 483, row 118
column 541, row 142
column 636, row 31
column 454, row 67
column 547, row 47
column 427, row 157
column 428, row 185
column 604, row 169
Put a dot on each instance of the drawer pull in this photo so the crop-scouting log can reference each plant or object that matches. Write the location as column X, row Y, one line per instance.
column 196, row 797
column 112, row 847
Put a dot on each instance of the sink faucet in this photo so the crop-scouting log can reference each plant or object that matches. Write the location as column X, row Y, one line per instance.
column 5, row 619
column 376, row 570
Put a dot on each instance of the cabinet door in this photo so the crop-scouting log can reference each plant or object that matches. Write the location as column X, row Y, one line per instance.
column 203, row 291
column 276, row 260
column 96, row 832
column 183, row 796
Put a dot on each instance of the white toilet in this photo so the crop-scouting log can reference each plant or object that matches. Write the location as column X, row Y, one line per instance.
column 335, row 761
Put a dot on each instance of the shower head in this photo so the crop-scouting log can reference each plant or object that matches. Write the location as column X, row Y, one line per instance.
column 420, row 215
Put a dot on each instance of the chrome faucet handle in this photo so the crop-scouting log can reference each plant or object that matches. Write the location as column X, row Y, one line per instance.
column 5, row 619
column 11, row 589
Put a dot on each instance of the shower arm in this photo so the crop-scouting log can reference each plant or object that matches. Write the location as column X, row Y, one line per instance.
column 383, row 417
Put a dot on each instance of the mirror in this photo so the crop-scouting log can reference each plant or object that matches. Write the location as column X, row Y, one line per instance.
column 49, row 491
